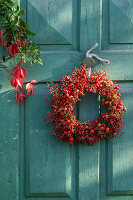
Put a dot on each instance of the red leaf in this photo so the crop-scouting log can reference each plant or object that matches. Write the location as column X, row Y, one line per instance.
column 5, row 44
column 20, row 82
column 29, row 88
column 29, row 91
column 2, row 32
column 11, row 74
column 15, row 69
column 21, row 99
column 28, row 85
column 23, row 72
column 17, row 72
column 13, row 49
column 22, row 94
column 1, row 38
column 21, row 63
column 32, row 89
column 14, row 83
column 19, row 96
column 34, row 81
column 16, row 98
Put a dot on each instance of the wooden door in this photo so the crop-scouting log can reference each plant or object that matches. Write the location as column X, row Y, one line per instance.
column 34, row 165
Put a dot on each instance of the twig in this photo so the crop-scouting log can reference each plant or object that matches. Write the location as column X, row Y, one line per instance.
column 100, row 59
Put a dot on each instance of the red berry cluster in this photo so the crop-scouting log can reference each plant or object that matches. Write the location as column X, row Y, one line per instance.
column 20, row 40
column 64, row 96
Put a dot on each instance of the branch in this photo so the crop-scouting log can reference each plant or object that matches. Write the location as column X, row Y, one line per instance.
column 91, row 49
column 100, row 59
column 88, row 55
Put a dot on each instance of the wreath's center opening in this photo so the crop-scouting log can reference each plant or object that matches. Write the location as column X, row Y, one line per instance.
column 88, row 108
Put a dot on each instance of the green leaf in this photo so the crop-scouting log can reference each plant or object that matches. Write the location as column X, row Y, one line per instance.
column 16, row 20
column 23, row 23
column 30, row 32
column 15, row 28
column 17, row 8
column 40, row 61
column 10, row 2
column 6, row 25
column 21, row 12
column 10, row 8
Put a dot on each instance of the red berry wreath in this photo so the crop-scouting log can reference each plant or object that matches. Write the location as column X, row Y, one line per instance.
column 64, row 96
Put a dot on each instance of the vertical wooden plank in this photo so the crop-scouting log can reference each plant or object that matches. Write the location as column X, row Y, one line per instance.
column 9, row 136
column 9, row 145
column 9, row 132
column 90, row 23
column 120, row 168
column 116, row 156
column 23, row 6
column 89, row 156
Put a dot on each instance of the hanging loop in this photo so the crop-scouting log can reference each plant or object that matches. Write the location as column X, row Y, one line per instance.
column 89, row 61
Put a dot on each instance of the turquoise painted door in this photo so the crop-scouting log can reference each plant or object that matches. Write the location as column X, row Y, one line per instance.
column 33, row 165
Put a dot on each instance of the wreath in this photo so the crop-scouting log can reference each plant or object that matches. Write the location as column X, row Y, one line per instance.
column 66, row 93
